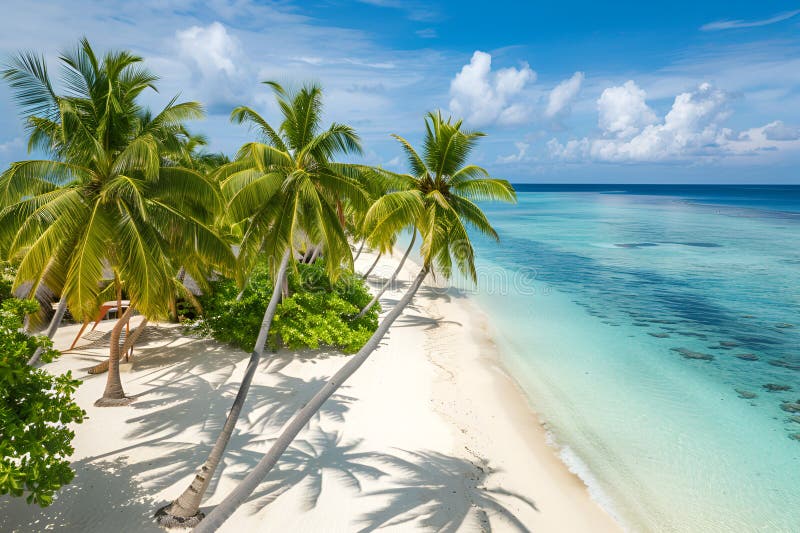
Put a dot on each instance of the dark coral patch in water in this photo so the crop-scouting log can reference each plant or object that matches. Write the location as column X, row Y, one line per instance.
column 747, row 395
column 791, row 407
column 784, row 325
column 747, row 356
column 791, row 365
column 659, row 335
column 776, row 387
column 689, row 354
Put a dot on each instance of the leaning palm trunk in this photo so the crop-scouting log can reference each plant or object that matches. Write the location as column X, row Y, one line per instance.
column 51, row 329
column 128, row 344
column 360, row 248
column 390, row 281
column 114, row 395
column 314, row 255
column 130, row 341
column 231, row 502
column 185, row 511
column 367, row 273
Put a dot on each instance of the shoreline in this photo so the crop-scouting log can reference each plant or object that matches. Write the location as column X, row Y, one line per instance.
column 431, row 432
column 574, row 508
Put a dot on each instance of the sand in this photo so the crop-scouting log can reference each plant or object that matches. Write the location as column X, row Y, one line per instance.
column 430, row 434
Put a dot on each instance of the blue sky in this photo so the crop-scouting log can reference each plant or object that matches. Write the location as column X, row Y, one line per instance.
column 568, row 91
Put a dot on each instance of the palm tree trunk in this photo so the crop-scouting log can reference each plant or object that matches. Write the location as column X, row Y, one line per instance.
column 390, row 281
column 314, row 255
column 239, row 494
column 360, row 248
column 114, row 395
column 58, row 316
column 185, row 511
column 130, row 340
column 103, row 366
column 366, row 275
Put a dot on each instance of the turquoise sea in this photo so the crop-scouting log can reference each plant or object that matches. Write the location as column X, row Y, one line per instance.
column 657, row 332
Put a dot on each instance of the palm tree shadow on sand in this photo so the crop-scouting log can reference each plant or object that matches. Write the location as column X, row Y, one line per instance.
column 424, row 494
column 434, row 491
column 103, row 496
column 306, row 462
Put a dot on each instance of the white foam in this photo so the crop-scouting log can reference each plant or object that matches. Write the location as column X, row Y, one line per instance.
column 578, row 466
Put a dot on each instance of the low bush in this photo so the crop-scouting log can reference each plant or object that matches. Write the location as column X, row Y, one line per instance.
column 36, row 409
column 317, row 313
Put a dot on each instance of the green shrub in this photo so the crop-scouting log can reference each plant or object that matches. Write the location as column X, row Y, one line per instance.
column 35, row 410
column 317, row 313
column 6, row 281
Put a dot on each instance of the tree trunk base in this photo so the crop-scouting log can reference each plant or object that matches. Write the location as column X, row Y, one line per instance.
column 114, row 402
column 165, row 519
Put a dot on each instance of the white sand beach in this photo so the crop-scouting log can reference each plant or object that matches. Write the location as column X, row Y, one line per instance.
column 430, row 434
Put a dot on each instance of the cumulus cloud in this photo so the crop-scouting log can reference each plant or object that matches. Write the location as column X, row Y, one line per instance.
column 484, row 97
column 692, row 127
column 778, row 131
column 561, row 97
column 522, row 149
column 217, row 63
column 623, row 110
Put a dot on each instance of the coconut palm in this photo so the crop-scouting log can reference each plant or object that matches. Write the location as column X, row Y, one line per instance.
column 103, row 204
column 284, row 188
column 389, row 282
column 437, row 197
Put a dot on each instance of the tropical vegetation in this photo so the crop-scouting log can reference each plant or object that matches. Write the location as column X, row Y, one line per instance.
column 36, row 409
column 287, row 193
column 103, row 214
column 437, row 197
column 128, row 204
column 317, row 313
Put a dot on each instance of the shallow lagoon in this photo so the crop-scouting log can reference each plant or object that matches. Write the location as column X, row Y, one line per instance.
column 657, row 330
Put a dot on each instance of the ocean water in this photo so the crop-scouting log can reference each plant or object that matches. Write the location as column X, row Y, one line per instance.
column 645, row 323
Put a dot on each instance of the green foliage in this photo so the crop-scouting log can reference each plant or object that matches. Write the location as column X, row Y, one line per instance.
column 109, row 196
column 438, row 198
column 6, row 281
column 317, row 313
column 35, row 410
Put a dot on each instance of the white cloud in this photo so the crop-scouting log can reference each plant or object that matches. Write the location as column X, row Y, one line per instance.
column 623, row 111
column 217, row 64
column 522, row 149
column 735, row 24
column 772, row 137
column 778, row 131
column 693, row 128
column 484, row 97
column 561, row 97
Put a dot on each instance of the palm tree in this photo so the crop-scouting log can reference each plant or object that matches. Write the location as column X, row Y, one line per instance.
column 283, row 188
column 389, row 282
column 103, row 202
column 437, row 198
